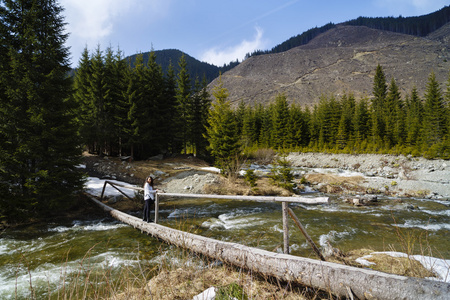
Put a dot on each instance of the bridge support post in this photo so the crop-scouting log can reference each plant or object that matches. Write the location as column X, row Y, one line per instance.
column 284, row 206
column 156, row 208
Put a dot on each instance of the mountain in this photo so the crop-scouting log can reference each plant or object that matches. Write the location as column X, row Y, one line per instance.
column 196, row 68
column 341, row 59
column 418, row 26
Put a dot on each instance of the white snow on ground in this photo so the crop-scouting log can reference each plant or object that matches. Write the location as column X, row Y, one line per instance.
column 94, row 186
column 440, row 267
column 211, row 169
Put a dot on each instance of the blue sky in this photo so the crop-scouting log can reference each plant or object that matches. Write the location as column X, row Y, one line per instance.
column 213, row 31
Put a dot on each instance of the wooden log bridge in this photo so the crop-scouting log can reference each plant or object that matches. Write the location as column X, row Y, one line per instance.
column 340, row 280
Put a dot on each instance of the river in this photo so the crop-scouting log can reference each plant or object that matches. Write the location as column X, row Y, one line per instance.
column 55, row 255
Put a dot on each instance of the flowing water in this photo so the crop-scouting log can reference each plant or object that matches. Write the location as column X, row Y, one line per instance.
column 46, row 257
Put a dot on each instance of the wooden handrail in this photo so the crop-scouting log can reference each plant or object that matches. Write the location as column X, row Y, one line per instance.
column 283, row 200
column 303, row 230
column 295, row 199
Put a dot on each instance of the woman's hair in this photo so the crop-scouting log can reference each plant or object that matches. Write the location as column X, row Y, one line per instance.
column 151, row 182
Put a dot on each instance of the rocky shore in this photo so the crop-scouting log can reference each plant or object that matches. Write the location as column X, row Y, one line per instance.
column 331, row 173
column 390, row 174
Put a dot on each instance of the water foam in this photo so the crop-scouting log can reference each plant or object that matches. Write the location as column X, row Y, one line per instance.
column 425, row 226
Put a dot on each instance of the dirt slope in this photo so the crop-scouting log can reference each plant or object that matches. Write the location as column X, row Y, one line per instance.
column 340, row 60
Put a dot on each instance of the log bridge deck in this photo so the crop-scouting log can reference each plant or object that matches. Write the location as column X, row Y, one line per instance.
column 340, row 280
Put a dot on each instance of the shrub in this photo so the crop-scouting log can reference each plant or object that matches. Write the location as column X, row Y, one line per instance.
column 282, row 174
column 250, row 177
column 231, row 291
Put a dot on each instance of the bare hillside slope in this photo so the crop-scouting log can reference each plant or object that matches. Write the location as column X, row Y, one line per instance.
column 340, row 60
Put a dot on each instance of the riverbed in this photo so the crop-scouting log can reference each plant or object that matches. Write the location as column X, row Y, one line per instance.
column 51, row 256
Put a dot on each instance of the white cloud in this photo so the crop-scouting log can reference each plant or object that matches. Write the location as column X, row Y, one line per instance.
column 218, row 56
column 91, row 20
column 94, row 22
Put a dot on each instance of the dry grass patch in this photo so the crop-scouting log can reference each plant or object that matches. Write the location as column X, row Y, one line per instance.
column 404, row 266
column 186, row 283
column 238, row 187
column 333, row 179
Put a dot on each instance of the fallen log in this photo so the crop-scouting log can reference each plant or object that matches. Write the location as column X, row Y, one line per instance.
column 295, row 199
column 332, row 277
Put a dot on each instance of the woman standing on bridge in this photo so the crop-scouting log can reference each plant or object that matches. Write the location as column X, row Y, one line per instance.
column 149, row 198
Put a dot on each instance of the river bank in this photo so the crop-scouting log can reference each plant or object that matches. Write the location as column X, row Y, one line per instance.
column 401, row 176
column 390, row 175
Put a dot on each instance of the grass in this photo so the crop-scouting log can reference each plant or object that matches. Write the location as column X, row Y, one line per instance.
column 238, row 187
column 193, row 274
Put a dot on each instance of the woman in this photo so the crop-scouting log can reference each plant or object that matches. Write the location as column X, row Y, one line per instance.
column 149, row 198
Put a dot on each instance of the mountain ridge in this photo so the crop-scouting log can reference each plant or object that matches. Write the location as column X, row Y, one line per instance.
column 342, row 59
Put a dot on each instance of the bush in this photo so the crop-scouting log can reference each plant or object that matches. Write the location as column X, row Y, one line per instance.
column 250, row 177
column 282, row 174
column 262, row 156
column 231, row 291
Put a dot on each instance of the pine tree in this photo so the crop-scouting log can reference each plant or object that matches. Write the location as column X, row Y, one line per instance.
column 342, row 134
column 361, row 122
column 329, row 115
column 112, row 81
column 414, row 117
column 345, row 132
column 153, row 105
column 296, row 134
column 183, row 95
column 378, row 102
column 121, row 105
column 280, row 122
column 434, row 121
column 81, row 96
column 239, row 112
column 39, row 148
column 222, row 132
column 447, row 101
column 98, row 94
column 200, row 107
column 136, row 114
column 393, row 116
column 314, row 127
column 249, row 134
column 266, row 130
column 169, row 113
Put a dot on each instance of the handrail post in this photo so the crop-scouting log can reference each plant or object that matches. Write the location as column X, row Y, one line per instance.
column 103, row 190
column 284, row 206
column 303, row 230
column 156, row 208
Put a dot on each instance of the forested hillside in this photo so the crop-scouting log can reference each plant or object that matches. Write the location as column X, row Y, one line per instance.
column 165, row 58
column 196, row 68
column 418, row 26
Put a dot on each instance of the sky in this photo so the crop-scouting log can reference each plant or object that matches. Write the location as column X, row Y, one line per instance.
column 216, row 32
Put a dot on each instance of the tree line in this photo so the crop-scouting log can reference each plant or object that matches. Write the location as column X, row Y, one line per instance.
column 385, row 123
column 138, row 111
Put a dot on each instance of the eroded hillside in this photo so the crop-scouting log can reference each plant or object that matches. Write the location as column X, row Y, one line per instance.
column 340, row 60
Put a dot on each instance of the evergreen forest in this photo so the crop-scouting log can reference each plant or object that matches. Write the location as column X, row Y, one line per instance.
column 141, row 112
